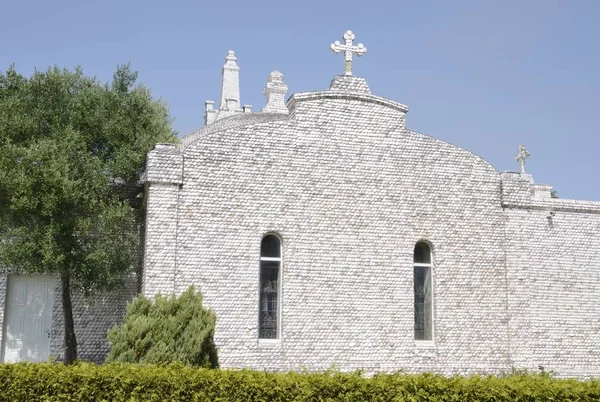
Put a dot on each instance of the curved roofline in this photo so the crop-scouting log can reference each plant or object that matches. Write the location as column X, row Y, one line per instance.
column 458, row 147
column 249, row 119
column 227, row 123
column 330, row 94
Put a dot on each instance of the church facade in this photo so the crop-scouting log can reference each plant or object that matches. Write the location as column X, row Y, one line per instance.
column 324, row 232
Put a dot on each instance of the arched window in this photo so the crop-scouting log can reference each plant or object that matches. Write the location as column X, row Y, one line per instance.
column 270, row 267
column 423, row 286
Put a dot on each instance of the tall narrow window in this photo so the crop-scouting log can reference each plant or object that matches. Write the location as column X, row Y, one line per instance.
column 270, row 266
column 423, row 293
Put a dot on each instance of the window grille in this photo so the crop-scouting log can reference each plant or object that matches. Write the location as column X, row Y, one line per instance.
column 423, row 291
column 270, row 267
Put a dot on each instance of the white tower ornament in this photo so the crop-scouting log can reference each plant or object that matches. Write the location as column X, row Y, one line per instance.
column 275, row 92
column 521, row 156
column 348, row 48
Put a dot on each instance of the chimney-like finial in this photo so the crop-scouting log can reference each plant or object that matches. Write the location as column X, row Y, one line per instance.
column 275, row 91
column 230, row 93
column 230, row 87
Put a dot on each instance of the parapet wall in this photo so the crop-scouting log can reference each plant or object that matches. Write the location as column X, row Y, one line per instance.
column 553, row 273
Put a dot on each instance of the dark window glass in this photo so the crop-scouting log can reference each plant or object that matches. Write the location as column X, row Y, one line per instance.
column 269, row 300
column 423, row 322
column 423, row 289
column 270, row 247
column 422, row 253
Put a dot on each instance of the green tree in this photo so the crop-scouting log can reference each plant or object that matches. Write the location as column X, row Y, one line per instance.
column 174, row 329
column 70, row 147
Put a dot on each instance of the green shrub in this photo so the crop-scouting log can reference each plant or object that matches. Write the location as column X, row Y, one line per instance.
column 176, row 382
column 175, row 329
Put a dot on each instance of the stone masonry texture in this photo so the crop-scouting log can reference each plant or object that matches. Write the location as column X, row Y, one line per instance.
column 350, row 190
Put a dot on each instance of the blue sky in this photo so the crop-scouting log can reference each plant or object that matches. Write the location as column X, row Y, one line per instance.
column 485, row 75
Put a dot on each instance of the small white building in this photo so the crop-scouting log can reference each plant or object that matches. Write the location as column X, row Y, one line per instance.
column 322, row 231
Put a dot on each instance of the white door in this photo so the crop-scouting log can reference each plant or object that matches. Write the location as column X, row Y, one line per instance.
column 28, row 318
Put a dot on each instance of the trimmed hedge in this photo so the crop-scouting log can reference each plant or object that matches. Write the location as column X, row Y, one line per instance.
column 175, row 382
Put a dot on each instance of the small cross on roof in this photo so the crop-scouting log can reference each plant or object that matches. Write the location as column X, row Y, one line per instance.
column 521, row 156
column 348, row 48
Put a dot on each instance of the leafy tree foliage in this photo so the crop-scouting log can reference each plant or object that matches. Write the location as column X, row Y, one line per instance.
column 175, row 329
column 69, row 147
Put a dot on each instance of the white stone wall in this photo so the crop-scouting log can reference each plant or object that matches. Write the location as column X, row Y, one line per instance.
column 161, row 228
column 164, row 176
column 350, row 191
column 553, row 268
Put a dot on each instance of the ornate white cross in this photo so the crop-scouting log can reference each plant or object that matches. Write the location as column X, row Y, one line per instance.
column 521, row 156
column 348, row 49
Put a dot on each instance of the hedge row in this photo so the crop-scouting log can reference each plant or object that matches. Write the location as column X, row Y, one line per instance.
column 122, row 382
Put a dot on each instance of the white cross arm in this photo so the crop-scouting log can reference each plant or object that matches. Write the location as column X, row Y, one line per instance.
column 348, row 49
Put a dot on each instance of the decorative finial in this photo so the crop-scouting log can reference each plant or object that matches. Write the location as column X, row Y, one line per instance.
column 230, row 57
column 521, row 156
column 275, row 91
column 348, row 48
column 230, row 92
column 230, row 87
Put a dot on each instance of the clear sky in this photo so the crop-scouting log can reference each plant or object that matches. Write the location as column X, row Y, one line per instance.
column 485, row 75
